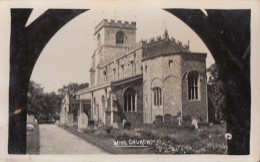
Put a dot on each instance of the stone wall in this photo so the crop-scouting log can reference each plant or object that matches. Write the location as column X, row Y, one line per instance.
column 99, row 107
column 194, row 108
column 131, row 63
column 163, row 72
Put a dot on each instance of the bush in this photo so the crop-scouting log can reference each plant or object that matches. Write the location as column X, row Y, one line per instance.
column 167, row 146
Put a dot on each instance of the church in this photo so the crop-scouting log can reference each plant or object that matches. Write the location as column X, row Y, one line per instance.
column 145, row 81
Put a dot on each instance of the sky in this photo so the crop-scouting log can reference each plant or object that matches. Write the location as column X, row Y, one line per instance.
column 67, row 56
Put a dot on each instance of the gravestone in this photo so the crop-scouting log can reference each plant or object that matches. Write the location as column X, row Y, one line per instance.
column 179, row 120
column 70, row 120
column 158, row 119
column 167, row 118
column 82, row 122
column 123, row 123
column 194, row 122
column 30, row 119
column 115, row 125
column 127, row 125
column 91, row 123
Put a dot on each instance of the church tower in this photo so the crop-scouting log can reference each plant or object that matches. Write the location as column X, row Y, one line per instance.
column 112, row 37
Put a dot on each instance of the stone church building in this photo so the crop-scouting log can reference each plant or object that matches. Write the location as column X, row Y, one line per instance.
column 144, row 81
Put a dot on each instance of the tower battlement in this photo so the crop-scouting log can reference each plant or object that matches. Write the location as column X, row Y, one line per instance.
column 158, row 39
column 113, row 23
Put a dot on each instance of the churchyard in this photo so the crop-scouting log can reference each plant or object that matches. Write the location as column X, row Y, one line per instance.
column 167, row 138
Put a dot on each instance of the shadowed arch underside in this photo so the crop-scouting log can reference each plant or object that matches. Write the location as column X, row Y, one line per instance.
column 26, row 45
column 226, row 33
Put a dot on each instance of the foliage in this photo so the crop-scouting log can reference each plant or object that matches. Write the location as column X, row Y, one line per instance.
column 205, row 140
column 215, row 80
column 41, row 104
column 71, row 88
column 46, row 106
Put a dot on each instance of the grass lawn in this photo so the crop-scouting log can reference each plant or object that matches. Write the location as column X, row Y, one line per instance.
column 168, row 140
column 32, row 141
column 104, row 141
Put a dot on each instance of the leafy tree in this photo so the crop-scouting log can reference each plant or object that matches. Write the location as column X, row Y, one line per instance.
column 34, row 95
column 47, row 105
column 71, row 88
column 42, row 104
column 215, row 80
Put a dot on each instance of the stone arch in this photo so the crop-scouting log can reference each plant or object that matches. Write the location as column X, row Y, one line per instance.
column 228, row 58
column 233, row 60
column 22, row 48
column 156, row 82
column 201, row 75
column 127, row 87
column 169, row 76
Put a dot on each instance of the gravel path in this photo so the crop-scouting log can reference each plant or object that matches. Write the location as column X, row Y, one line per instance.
column 55, row 140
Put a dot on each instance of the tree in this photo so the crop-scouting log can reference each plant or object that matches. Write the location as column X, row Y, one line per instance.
column 34, row 94
column 216, row 82
column 40, row 103
column 71, row 88
column 26, row 45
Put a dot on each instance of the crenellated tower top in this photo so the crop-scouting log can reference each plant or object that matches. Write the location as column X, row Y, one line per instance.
column 115, row 24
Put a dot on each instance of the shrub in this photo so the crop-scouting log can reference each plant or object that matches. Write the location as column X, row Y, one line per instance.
column 168, row 147
column 186, row 118
column 108, row 129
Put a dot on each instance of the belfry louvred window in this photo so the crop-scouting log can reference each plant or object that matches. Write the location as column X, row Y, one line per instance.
column 120, row 37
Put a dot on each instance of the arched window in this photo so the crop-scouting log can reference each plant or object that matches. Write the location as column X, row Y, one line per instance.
column 157, row 96
column 146, row 68
column 120, row 37
column 193, row 85
column 130, row 100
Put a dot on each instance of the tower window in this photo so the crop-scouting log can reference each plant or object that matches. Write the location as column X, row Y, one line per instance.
column 193, row 86
column 120, row 36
